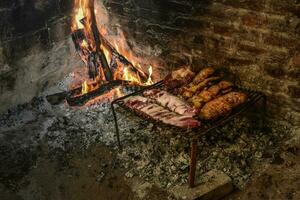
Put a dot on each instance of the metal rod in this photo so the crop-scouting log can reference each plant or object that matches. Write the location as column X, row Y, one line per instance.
column 120, row 99
column 138, row 92
column 193, row 163
column 264, row 98
column 116, row 126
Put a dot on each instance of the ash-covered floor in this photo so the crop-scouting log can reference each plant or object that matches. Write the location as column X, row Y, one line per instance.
column 59, row 152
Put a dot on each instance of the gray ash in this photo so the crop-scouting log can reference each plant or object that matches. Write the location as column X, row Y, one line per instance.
column 148, row 150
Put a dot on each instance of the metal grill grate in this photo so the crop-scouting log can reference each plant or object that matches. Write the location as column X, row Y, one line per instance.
column 206, row 126
column 195, row 133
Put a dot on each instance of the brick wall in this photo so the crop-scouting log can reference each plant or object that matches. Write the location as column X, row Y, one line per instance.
column 257, row 40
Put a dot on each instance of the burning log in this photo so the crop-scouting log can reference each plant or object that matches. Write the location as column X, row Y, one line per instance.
column 116, row 55
column 94, row 51
column 96, row 34
column 87, row 43
column 75, row 98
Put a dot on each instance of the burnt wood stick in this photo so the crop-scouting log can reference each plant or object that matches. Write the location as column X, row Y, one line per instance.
column 142, row 74
column 77, row 37
column 75, row 99
column 96, row 35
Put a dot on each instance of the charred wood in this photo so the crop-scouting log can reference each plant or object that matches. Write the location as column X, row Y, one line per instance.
column 96, row 35
column 77, row 99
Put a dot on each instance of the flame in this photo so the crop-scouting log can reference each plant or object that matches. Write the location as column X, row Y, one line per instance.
column 87, row 46
column 81, row 11
column 79, row 16
column 130, row 76
column 118, row 92
column 84, row 88
column 106, row 53
column 150, row 81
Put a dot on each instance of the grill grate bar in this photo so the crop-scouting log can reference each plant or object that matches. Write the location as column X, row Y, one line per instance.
column 206, row 127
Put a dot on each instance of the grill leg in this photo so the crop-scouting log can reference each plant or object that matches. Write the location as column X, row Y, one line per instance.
column 264, row 110
column 116, row 126
column 193, row 162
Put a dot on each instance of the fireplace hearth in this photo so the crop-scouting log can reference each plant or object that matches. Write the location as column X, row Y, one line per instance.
column 97, row 98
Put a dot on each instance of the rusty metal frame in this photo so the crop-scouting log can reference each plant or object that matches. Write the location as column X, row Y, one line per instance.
column 195, row 134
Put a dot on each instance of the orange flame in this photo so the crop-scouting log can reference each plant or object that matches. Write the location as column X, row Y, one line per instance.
column 84, row 88
column 150, row 81
column 82, row 11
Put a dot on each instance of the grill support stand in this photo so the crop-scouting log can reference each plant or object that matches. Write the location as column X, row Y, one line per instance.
column 256, row 96
column 193, row 163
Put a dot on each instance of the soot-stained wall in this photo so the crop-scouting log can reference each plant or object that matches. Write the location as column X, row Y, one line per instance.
column 35, row 52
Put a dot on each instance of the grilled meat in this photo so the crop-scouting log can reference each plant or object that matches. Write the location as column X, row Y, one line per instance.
column 203, row 74
column 146, row 108
column 198, row 83
column 207, row 95
column 222, row 105
column 171, row 102
column 179, row 78
column 188, row 92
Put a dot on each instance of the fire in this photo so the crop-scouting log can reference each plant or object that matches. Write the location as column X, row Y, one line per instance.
column 78, row 17
column 118, row 92
column 81, row 11
column 129, row 76
column 87, row 47
column 149, row 81
column 84, row 88
column 88, row 87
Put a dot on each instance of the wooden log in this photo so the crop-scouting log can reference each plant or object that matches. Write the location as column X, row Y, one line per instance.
column 96, row 34
column 75, row 99
column 144, row 76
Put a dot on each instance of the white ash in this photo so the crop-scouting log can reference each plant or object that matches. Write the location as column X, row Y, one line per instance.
column 148, row 151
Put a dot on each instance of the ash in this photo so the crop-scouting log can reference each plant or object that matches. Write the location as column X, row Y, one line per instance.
column 148, row 151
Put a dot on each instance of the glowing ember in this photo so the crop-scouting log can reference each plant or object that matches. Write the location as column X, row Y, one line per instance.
column 118, row 92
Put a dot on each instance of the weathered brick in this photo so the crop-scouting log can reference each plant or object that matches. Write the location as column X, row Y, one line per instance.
column 296, row 60
column 280, row 41
column 275, row 98
column 224, row 29
column 294, row 91
column 251, row 49
column 237, row 61
column 254, row 20
column 276, row 58
column 294, row 74
column 275, row 71
column 286, row 7
column 246, row 4
column 198, row 39
column 220, row 12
